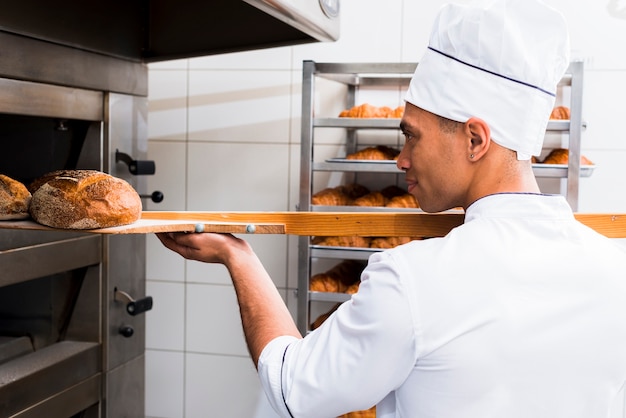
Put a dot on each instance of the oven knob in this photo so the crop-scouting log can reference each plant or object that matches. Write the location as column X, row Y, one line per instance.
column 126, row 331
column 156, row 196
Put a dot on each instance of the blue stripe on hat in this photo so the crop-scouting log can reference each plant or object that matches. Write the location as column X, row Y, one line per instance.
column 493, row 73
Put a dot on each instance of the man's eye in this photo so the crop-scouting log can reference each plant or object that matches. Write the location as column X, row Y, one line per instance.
column 407, row 136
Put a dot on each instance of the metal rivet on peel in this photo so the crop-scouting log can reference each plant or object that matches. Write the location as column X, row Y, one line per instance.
column 199, row 228
column 250, row 229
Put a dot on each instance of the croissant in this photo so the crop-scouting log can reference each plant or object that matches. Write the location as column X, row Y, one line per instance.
column 340, row 195
column 354, row 190
column 330, row 197
column 338, row 279
column 560, row 113
column 323, row 317
column 561, row 156
column 322, row 282
column 404, row 201
column 389, row 242
column 347, row 272
column 353, row 288
column 361, row 111
column 360, row 242
column 371, row 199
column 380, row 152
column 392, row 191
column 369, row 413
column 397, row 113
column 367, row 110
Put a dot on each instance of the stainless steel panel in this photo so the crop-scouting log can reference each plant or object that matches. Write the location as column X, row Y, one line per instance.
column 126, row 273
column 87, row 317
column 125, row 390
column 33, row 60
column 28, row 98
column 31, row 379
column 26, row 263
column 124, row 266
column 69, row 402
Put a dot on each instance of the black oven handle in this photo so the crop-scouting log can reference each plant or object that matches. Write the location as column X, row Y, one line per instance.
column 133, row 307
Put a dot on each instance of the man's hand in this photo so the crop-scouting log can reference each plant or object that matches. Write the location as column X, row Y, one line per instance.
column 206, row 247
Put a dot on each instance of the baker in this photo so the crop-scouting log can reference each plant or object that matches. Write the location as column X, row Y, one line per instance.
column 519, row 312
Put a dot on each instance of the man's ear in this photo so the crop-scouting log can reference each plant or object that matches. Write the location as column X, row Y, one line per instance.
column 479, row 138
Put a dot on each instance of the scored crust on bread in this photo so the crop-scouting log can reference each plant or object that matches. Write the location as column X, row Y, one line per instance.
column 14, row 199
column 83, row 199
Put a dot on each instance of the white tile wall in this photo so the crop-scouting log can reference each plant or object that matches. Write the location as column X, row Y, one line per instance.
column 224, row 132
column 223, row 386
column 165, row 383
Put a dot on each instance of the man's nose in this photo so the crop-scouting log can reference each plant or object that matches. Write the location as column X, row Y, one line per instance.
column 402, row 162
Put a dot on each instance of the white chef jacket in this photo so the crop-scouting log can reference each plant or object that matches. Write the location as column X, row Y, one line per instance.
column 519, row 312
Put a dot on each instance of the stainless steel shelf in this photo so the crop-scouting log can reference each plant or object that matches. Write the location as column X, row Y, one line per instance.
column 329, row 297
column 61, row 368
column 342, row 253
column 394, row 123
column 357, row 123
column 39, row 259
column 389, row 166
column 367, row 74
column 560, row 170
column 355, row 166
column 394, row 77
column 323, row 208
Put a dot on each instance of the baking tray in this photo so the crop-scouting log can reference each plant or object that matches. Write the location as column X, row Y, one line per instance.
column 560, row 170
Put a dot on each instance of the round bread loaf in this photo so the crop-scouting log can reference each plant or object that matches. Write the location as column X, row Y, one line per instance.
column 83, row 199
column 14, row 199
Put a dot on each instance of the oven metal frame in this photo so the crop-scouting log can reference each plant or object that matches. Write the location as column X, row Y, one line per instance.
column 93, row 369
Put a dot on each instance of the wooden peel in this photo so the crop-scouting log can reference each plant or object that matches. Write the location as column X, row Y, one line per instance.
column 373, row 224
column 144, row 226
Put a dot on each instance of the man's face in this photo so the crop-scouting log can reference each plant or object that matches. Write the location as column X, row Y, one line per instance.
column 433, row 160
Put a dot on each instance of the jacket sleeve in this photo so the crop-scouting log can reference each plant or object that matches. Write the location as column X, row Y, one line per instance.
column 361, row 353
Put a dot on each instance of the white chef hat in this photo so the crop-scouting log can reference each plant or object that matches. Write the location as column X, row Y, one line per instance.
column 498, row 60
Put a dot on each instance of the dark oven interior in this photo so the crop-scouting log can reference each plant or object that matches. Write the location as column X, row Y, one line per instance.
column 37, row 145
